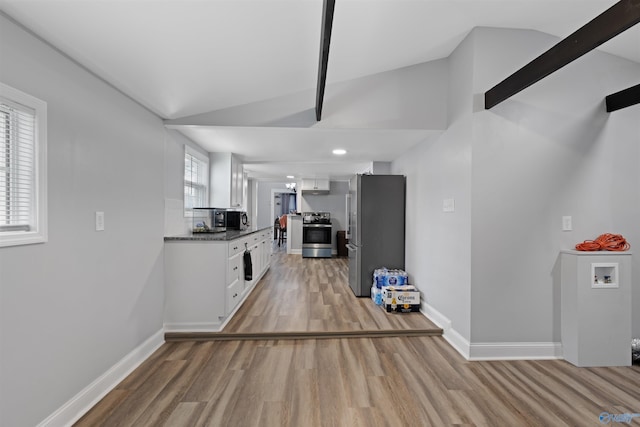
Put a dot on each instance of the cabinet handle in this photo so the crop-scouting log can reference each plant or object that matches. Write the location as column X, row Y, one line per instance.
column 235, row 268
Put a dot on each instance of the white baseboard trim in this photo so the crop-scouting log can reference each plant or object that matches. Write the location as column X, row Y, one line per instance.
column 491, row 351
column 516, row 351
column 457, row 341
column 78, row 405
column 435, row 316
column 193, row 327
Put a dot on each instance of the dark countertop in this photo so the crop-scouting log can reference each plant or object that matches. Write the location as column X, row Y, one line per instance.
column 226, row 236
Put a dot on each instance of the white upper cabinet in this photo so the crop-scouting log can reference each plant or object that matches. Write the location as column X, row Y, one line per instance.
column 227, row 181
column 315, row 186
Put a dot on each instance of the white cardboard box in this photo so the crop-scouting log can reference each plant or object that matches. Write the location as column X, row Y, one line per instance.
column 403, row 299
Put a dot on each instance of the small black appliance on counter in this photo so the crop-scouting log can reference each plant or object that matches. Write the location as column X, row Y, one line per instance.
column 237, row 220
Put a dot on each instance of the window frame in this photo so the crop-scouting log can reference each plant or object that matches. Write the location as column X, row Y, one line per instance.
column 188, row 212
column 38, row 232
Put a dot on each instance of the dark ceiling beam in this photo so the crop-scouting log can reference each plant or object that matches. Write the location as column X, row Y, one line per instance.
column 325, row 39
column 610, row 23
column 623, row 99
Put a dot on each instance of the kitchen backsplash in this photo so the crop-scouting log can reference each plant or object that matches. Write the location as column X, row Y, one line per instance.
column 175, row 222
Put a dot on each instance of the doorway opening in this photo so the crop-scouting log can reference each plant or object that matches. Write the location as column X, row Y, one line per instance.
column 283, row 202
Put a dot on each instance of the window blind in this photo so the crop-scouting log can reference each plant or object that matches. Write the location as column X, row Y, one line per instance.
column 17, row 167
column 195, row 182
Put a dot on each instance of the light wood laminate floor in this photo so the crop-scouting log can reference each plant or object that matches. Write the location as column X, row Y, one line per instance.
column 384, row 381
column 312, row 295
column 404, row 381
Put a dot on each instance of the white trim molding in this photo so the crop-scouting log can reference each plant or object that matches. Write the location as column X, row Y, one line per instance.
column 193, row 327
column 453, row 337
column 515, row 351
column 78, row 405
column 38, row 232
column 491, row 351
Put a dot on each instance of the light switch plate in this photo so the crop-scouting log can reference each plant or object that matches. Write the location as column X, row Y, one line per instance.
column 448, row 205
column 99, row 221
column 567, row 223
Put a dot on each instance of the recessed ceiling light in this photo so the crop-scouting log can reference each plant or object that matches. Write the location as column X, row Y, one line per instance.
column 339, row 151
column 290, row 176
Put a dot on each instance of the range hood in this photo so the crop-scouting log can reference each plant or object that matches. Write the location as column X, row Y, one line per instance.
column 315, row 187
column 315, row 192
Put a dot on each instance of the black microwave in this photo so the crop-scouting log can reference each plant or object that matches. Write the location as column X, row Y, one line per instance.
column 237, row 220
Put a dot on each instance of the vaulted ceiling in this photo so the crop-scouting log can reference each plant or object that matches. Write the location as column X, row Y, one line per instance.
column 185, row 57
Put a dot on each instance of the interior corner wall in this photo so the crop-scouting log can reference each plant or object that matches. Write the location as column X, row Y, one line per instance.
column 548, row 151
column 71, row 308
column 438, row 248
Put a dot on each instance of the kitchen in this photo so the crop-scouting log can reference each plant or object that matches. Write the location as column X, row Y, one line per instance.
column 200, row 253
column 331, row 200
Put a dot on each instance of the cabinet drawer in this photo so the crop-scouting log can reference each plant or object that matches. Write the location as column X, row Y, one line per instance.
column 234, row 293
column 236, row 269
column 236, row 246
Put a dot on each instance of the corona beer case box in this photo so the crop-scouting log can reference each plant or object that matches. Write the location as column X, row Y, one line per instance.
column 403, row 299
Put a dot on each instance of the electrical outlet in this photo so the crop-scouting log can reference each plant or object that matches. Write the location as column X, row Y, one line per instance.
column 99, row 221
column 566, row 223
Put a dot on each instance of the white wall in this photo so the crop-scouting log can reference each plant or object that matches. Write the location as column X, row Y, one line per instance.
column 514, row 171
column 74, row 306
column 549, row 151
column 438, row 257
column 406, row 98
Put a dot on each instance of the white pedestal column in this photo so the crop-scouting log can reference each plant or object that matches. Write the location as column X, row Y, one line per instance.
column 596, row 308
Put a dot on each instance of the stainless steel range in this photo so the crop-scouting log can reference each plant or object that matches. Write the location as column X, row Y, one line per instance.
column 316, row 235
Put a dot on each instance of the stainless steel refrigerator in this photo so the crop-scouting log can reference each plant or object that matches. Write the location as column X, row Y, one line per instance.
column 376, row 206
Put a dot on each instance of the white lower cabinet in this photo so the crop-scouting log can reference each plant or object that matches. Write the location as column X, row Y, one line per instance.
column 236, row 268
column 205, row 280
column 195, row 282
column 234, row 294
column 235, row 279
column 265, row 252
column 256, row 263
